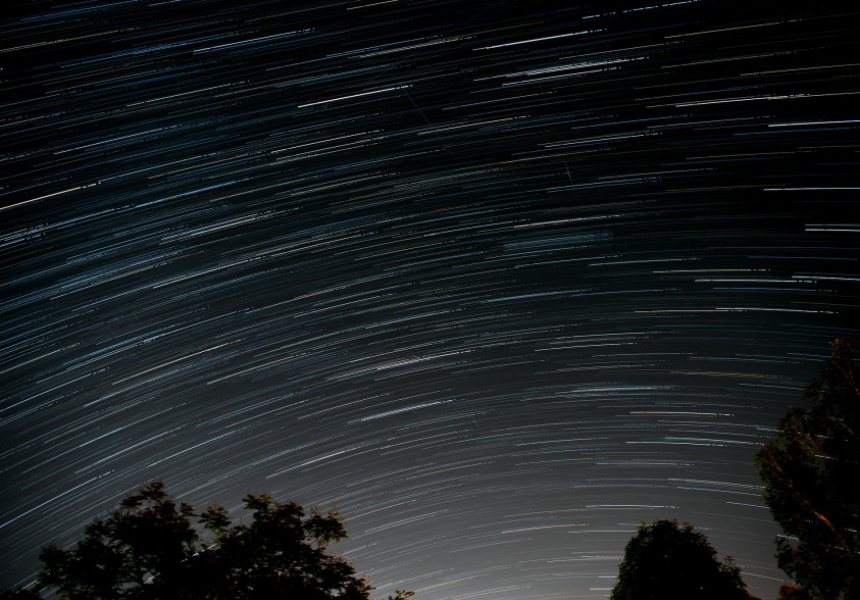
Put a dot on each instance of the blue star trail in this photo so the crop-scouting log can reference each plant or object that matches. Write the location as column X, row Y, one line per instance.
column 496, row 280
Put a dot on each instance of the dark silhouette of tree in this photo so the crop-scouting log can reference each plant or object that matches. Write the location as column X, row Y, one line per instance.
column 151, row 549
column 793, row 592
column 811, row 476
column 666, row 562
column 19, row 594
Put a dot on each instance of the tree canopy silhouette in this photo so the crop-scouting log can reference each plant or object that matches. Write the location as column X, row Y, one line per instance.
column 793, row 592
column 811, row 476
column 151, row 549
column 666, row 562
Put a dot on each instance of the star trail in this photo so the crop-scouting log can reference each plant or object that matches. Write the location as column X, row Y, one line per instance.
column 496, row 280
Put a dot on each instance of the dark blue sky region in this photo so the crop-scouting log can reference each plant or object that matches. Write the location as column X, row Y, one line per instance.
column 497, row 280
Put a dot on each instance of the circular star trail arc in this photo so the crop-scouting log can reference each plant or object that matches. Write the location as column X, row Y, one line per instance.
column 499, row 281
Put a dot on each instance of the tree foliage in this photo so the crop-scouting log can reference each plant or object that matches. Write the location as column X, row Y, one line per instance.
column 811, row 476
column 664, row 561
column 152, row 549
column 19, row 594
column 793, row 592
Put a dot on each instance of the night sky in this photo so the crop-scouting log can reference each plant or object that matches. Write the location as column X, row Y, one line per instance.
column 496, row 280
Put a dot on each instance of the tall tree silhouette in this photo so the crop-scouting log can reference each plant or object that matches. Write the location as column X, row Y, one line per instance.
column 811, row 476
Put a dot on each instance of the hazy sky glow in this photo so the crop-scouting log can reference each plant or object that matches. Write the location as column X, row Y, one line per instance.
column 497, row 280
